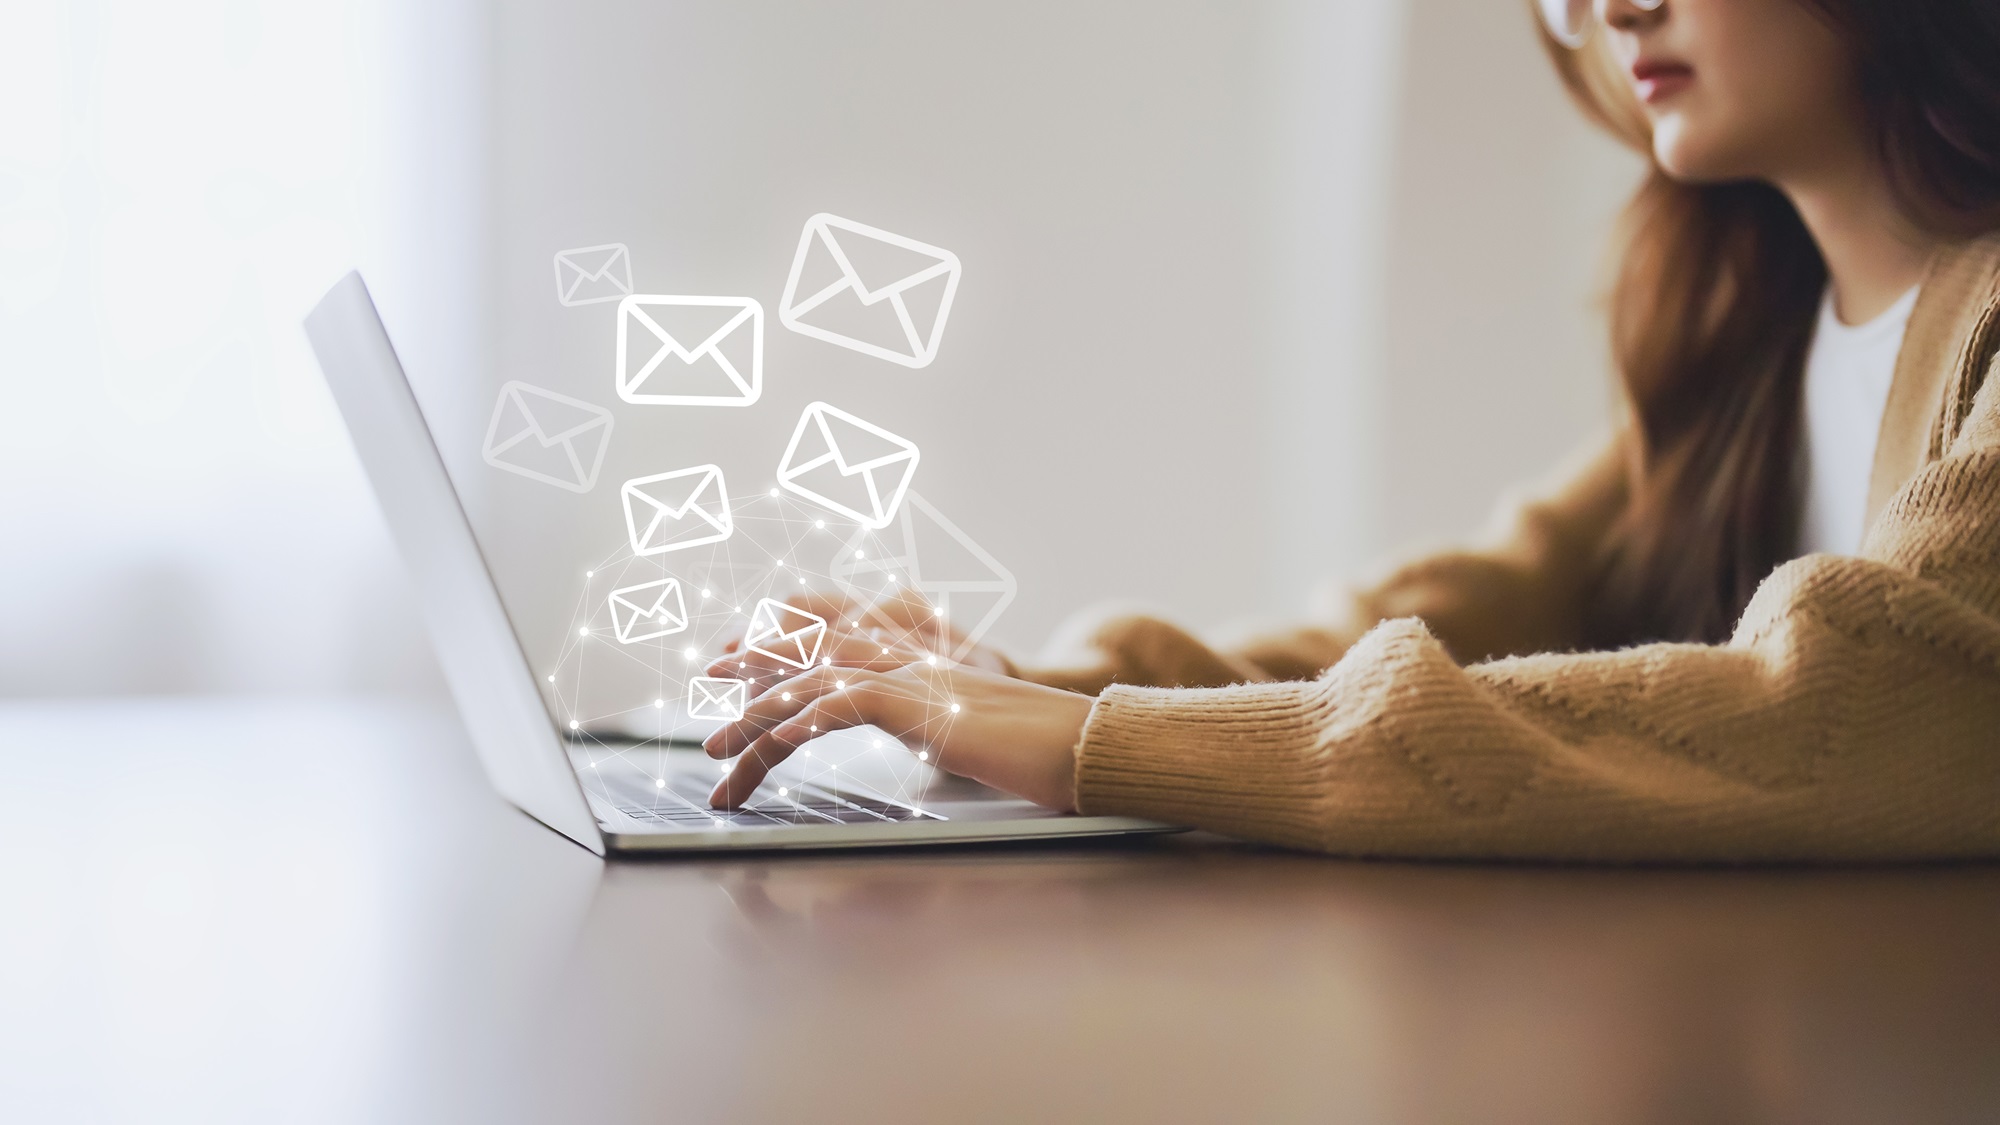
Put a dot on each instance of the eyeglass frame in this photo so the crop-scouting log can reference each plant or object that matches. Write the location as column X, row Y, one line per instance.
column 1570, row 22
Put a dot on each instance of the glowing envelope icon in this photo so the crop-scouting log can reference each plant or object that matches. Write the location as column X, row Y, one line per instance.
column 648, row 610
column 846, row 465
column 677, row 510
column 888, row 296
column 786, row 634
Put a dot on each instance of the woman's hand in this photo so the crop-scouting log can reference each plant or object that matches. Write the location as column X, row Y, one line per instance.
column 1006, row 733
column 879, row 636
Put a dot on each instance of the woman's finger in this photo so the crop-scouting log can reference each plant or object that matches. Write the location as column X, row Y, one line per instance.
column 774, row 705
column 875, row 650
column 836, row 708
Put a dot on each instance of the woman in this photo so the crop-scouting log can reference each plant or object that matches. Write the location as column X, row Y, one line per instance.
column 1806, row 322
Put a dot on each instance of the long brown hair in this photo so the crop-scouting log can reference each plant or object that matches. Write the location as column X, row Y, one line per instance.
column 1714, row 302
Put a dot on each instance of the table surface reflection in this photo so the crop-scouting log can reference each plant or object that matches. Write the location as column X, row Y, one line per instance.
column 316, row 911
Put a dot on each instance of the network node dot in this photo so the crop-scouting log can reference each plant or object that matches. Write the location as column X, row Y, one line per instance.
column 858, row 555
column 787, row 697
column 815, row 730
column 659, row 703
column 707, row 593
column 931, row 660
column 839, row 685
column 954, row 708
column 774, row 492
column 688, row 652
column 590, row 574
column 938, row 612
column 659, row 783
column 819, row 524
column 878, row 744
column 783, row 792
column 583, row 632
column 574, row 725
column 808, row 753
column 552, row 679
column 923, row 755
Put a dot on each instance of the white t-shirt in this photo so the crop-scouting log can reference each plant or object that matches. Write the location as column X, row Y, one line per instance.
column 1848, row 372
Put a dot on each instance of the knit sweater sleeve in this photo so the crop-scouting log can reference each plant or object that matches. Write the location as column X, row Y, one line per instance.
column 1853, row 714
column 1518, row 590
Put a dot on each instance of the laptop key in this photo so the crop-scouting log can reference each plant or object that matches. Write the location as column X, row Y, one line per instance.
column 675, row 804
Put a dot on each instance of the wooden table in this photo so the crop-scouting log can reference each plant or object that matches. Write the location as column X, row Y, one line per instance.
column 315, row 911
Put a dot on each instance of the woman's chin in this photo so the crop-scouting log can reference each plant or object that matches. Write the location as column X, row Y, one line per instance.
column 1684, row 154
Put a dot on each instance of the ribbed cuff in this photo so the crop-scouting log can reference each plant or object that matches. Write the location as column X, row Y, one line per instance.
column 1237, row 760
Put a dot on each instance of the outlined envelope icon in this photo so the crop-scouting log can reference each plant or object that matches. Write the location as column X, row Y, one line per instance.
column 925, row 552
column 690, row 351
column 786, row 634
column 847, row 465
column 648, row 610
column 547, row 437
column 712, row 697
column 677, row 510
column 866, row 289
column 591, row 275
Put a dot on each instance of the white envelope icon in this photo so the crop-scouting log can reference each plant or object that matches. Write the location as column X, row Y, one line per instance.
column 591, row 275
column 677, row 510
column 549, row 437
column 712, row 697
column 785, row 633
column 677, row 351
column 864, row 288
column 853, row 467
column 648, row 610
column 926, row 552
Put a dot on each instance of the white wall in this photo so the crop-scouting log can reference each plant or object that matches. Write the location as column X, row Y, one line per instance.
column 1252, row 292
column 179, row 507
column 1124, row 186
column 1501, row 226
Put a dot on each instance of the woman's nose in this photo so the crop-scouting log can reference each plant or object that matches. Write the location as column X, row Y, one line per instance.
column 1629, row 15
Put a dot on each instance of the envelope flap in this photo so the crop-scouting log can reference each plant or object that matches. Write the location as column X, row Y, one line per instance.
column 650, row 599
column 715, row 690
column 555, row 417
column 880, row 262
column 594, row 262
column 793, row 624
column 689, row 325
column 676, row 492
column 774, row 617
column 858, row 446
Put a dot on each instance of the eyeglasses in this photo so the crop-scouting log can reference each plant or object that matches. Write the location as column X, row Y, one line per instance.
column 1570, row 22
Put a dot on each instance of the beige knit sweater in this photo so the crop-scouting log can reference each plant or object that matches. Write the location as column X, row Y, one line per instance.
column 1854, row 713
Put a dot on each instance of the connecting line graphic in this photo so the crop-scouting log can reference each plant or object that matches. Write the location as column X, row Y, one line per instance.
column 789, row 552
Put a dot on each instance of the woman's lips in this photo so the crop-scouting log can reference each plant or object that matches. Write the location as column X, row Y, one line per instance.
column 1657, row 81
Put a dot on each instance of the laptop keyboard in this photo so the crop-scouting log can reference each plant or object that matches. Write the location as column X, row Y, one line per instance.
column 677, row 804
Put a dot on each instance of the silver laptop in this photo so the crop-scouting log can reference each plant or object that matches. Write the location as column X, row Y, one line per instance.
column 609, row 796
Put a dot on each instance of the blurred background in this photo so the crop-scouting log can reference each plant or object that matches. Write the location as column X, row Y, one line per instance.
column 1253, row 293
